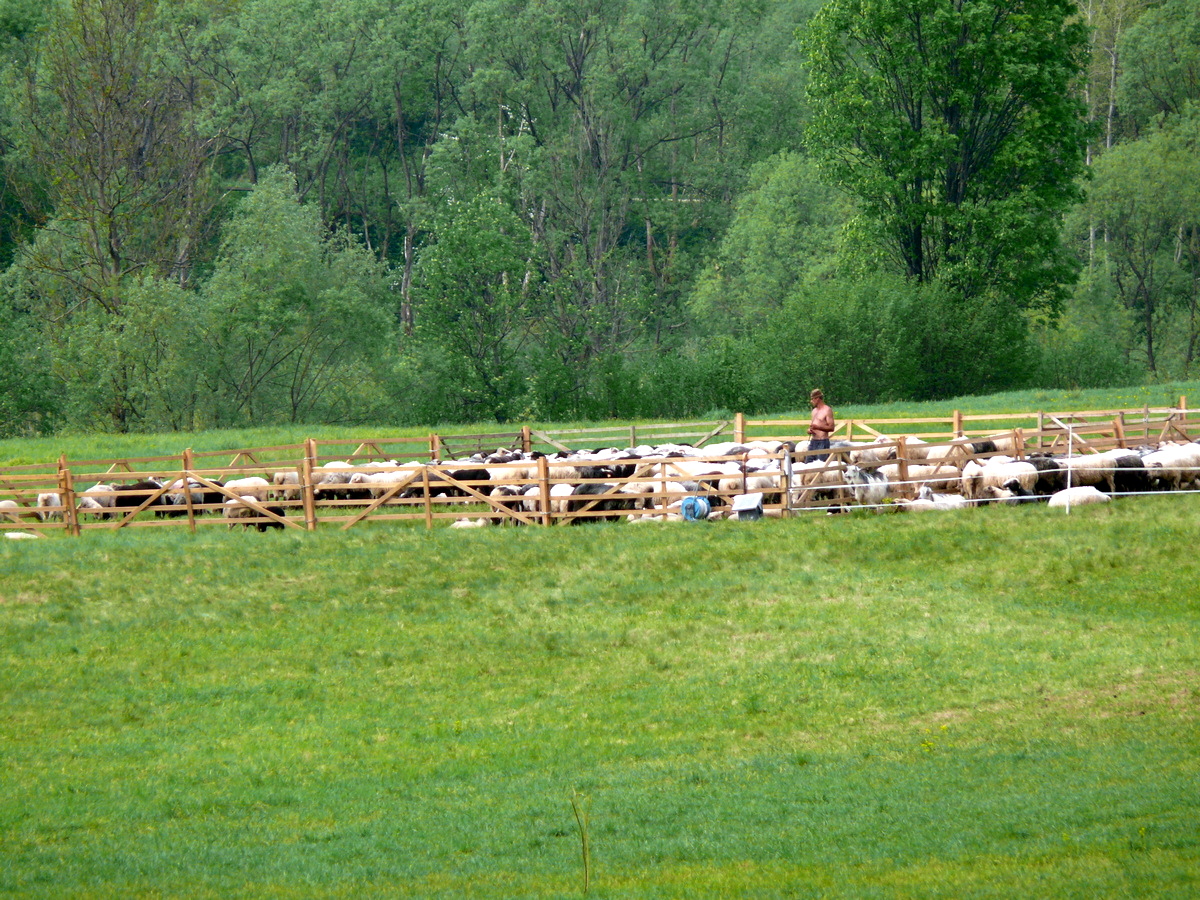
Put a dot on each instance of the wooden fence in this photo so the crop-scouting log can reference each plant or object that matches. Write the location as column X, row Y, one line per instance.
column 426, row 492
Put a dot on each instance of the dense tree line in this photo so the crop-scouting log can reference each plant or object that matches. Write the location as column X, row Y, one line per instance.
column 418, row 211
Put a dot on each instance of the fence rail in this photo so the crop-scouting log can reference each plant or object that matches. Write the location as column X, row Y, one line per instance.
column 436, row 484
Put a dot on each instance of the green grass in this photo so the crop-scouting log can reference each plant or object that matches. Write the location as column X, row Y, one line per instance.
column 33, row 451
column 994, row 704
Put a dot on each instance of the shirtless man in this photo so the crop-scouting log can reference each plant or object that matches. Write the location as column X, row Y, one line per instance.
column 821, row 427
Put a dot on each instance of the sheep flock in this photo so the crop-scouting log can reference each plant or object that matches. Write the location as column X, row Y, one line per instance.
column 666, row 482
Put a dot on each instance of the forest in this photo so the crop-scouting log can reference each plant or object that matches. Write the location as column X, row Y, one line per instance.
column 221, row 213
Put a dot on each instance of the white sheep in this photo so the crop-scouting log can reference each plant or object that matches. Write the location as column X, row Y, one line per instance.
column 1175, row 465
column 1091, row 469
column 11, row 510
column 49, row 506
column 287, row 485
column 939, row 475
column 91, row 506
column 102, row 493
column 927, row 500
column 1077, row 496
column 482, row 522
column 976, row 478
column 253, row 486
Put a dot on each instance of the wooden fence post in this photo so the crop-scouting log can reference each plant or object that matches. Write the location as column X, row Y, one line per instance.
column 428, row 499
column 1019, row 441
column 1119, row 430
column 957, row 426
column 308, row 491
column 526, row 440
column 544, row 488
column 902, row 459
column 66, row 493
column 632, row 436
column 435, row 448
column 739, row 428
column 188, row 465
column 663, row 488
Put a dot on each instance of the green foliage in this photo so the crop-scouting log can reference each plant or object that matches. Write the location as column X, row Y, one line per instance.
column 294, row 319
column 955, row 127
column 1146, row 200
column 1160, row 57
column 28, row 403
column 781, row 236
column 479, row 301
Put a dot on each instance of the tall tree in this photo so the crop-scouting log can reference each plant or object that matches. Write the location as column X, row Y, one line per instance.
column 1161, row 77
column 954, row 122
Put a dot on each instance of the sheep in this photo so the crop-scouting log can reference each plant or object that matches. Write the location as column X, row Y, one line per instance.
column 941, row 475
column 766, row 482
column 867, row 488
column 1173, row 466
column 1010, row 493
column 49, row 506
column 1092, row 469
column 558, row 497
column 287, row 484
column 880, row 450
column 927, row 500
column 376, row 484
column 132, row 496
column 253, row 486
column 1077, row 496
column 20, row 535
column 12, row 511
column 471, row 523
column 242, row 508
column 92, row 507
column 102, row 494
column 1050, row 475
column 597, row 498
column 976, row 478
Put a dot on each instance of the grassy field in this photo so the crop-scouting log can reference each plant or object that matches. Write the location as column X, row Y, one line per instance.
column 999, row 703
column 32, row 451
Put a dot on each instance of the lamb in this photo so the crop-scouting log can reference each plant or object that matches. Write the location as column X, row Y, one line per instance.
column 1078, row 496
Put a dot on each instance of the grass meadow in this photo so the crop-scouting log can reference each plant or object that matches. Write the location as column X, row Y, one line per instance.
column 995, row 703
column 88, row 445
